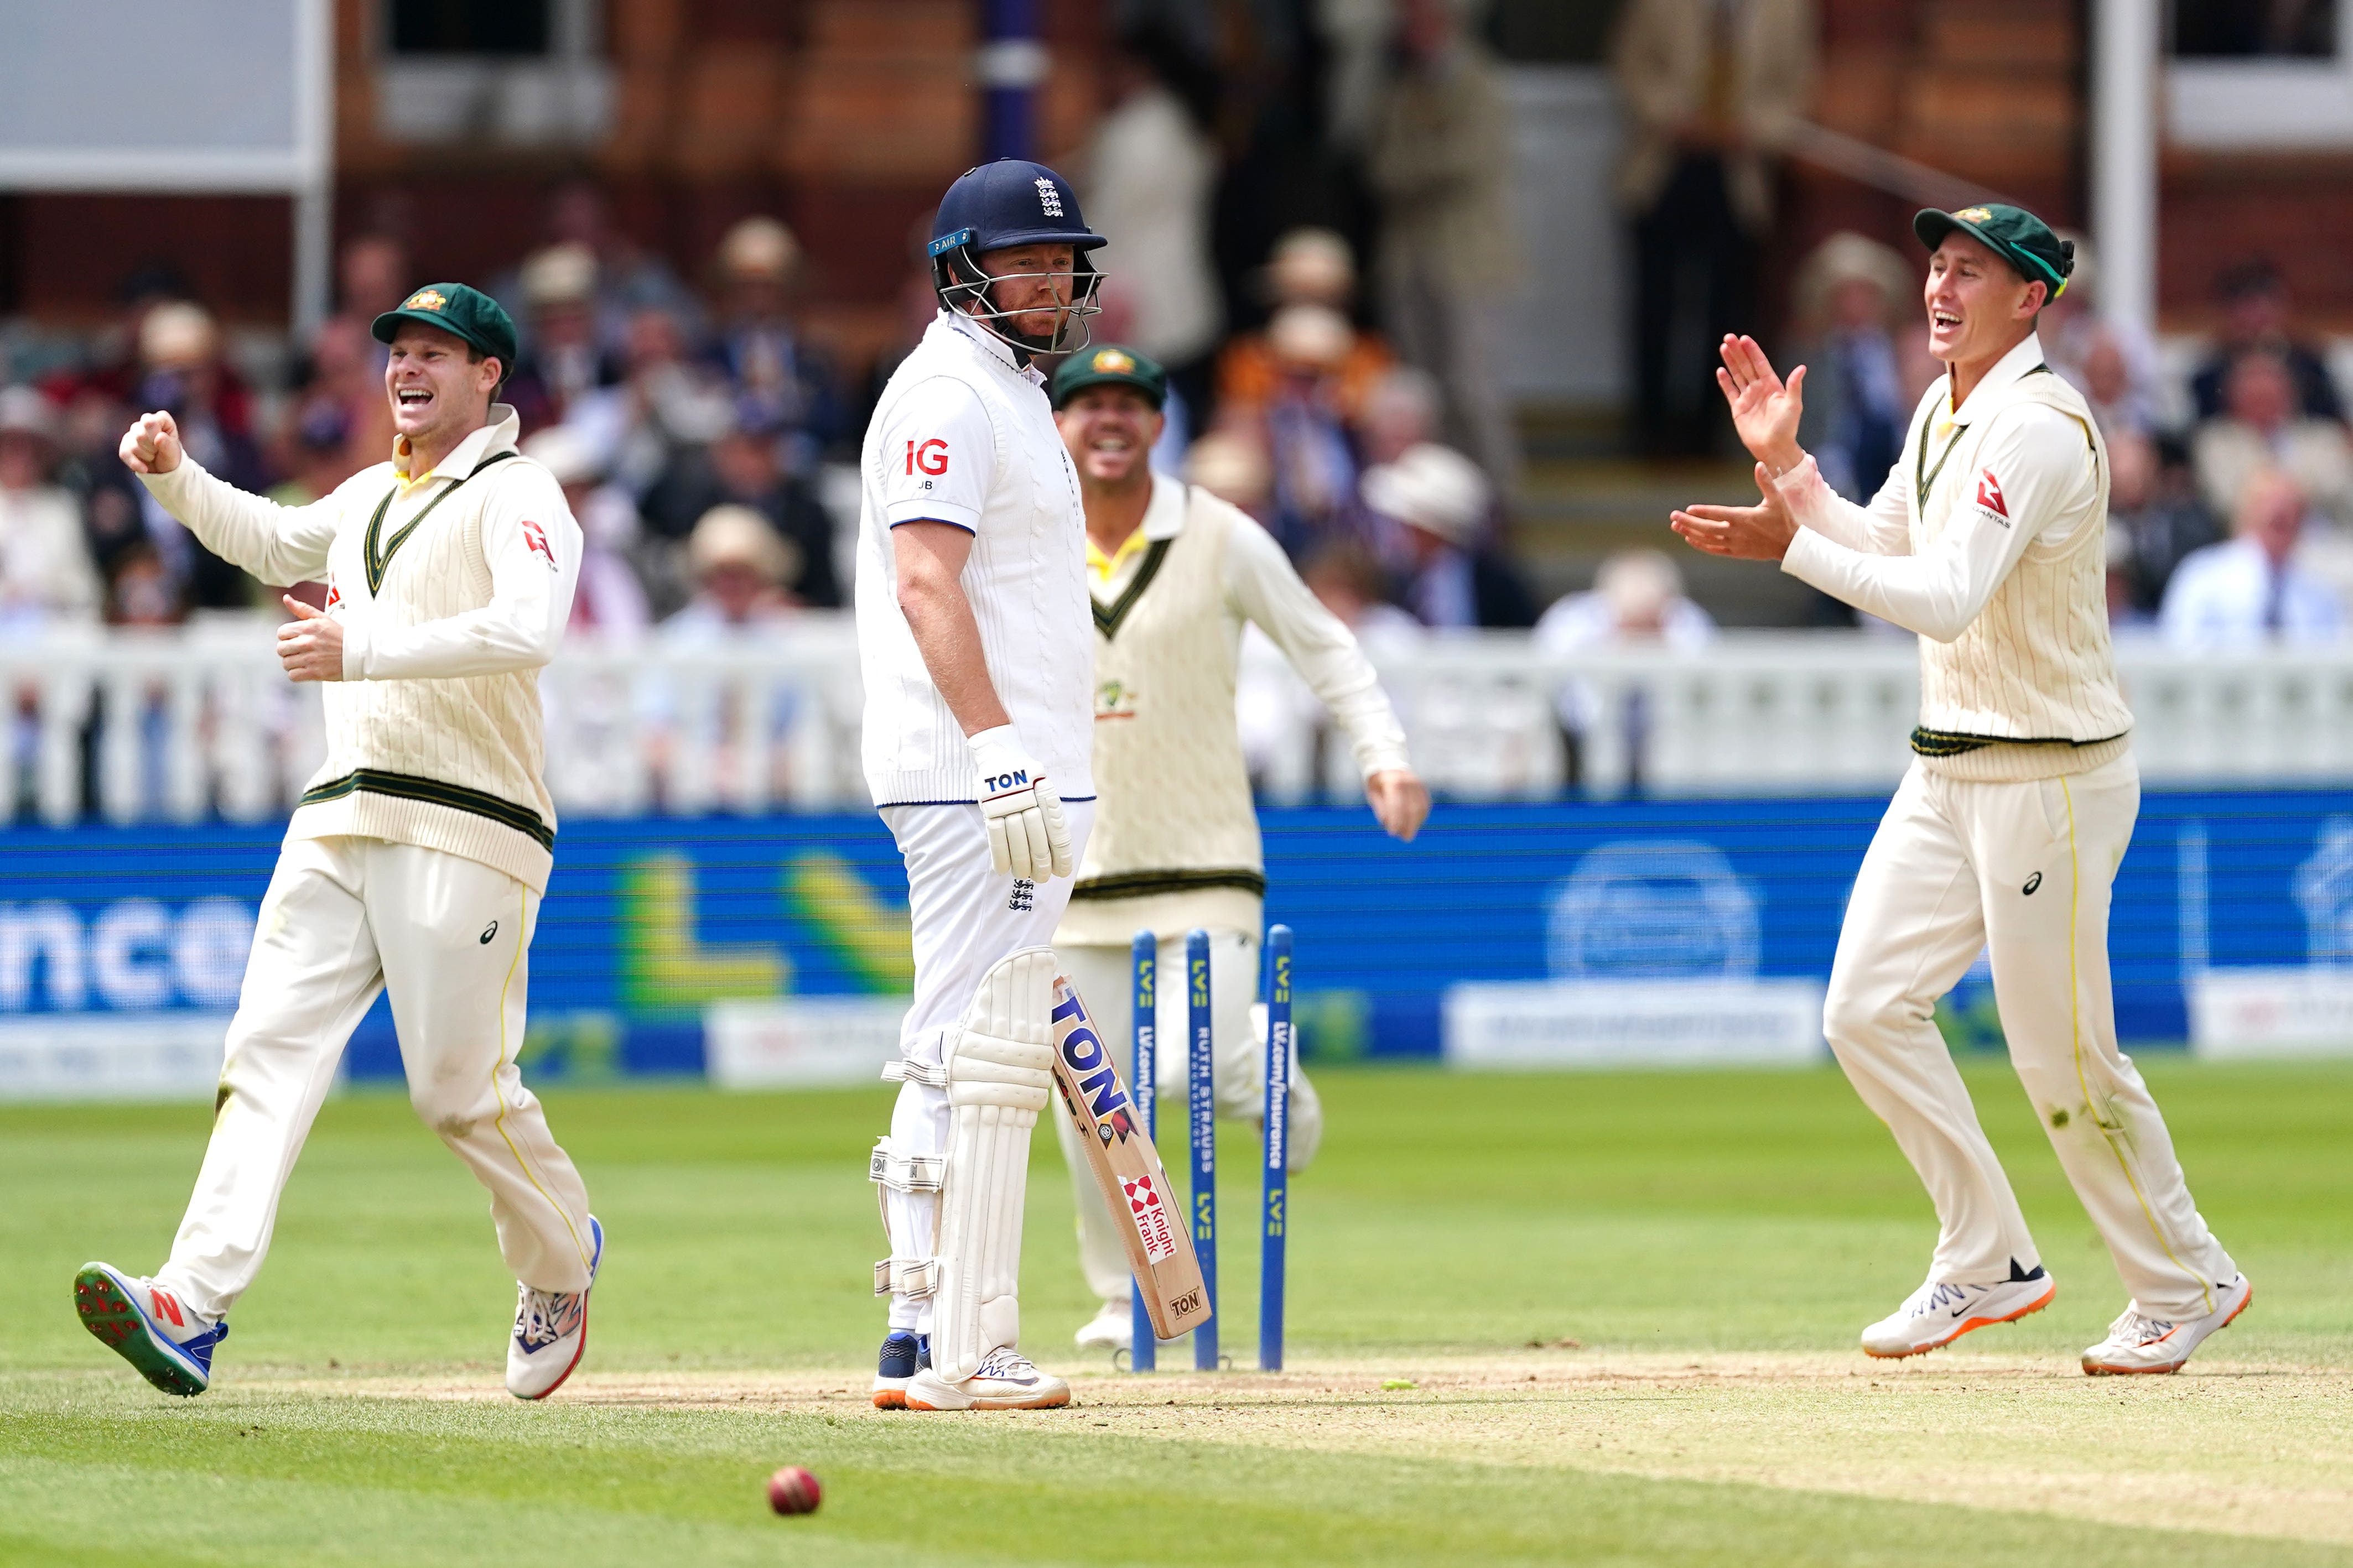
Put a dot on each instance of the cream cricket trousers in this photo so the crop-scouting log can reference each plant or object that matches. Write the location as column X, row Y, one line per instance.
column 1105, row 979
column 2021, row 870
column 966, row 918
column 346, row 918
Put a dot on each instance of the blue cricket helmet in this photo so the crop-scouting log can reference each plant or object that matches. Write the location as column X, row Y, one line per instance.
column 1010, row 202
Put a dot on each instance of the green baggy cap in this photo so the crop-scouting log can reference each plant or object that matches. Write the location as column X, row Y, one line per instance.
column 2017, row 236
column 455, row 307
column 1111, row 364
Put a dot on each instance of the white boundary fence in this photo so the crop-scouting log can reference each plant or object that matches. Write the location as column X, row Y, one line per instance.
column 186, row 725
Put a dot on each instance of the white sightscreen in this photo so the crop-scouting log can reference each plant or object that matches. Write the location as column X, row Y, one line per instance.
column 164, row 95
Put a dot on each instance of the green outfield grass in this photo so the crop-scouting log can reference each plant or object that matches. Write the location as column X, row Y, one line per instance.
column 1711, row 1242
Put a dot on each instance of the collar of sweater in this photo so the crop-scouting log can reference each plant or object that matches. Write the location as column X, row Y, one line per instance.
column 498, row 436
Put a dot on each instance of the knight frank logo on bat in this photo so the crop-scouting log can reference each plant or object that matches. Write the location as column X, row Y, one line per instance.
column 1151, row 1217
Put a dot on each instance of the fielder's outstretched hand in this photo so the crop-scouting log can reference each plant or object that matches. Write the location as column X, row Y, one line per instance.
column 310, row 645
column 1760, row 533
column 1765, row 408
column 1400, row 802
column 1026, row 835
column 151, row 445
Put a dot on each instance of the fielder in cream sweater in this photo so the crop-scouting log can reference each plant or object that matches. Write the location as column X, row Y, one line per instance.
column 1989, row 540
column 1174, row 575
column 415, row 860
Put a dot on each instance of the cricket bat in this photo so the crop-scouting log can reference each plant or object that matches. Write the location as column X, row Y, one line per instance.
column 1127, row 1168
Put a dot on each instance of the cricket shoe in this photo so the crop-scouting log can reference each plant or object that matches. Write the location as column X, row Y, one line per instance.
column 551, row 1330
column 1111, row 1329
column 1006, row 1381
column 148, row 1327
column 2138, row 1343
column 903, row 1355
column 1940, row 1311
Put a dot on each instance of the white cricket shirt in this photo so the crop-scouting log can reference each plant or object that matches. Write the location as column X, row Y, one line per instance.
column 453, row 588
column 1989, row 540
column 964, row 435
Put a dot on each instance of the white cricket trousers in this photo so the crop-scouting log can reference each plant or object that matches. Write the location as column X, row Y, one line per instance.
column 2021, row 870
column 346, row 918
column 966, row 918
column 1105, row 979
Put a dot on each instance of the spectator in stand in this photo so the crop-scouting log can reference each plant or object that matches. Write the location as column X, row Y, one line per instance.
column 180, row 359
column 2259, row 430
column 340, row 422
column 1231, row 465
column 46, row 574
column 1637, row 600
column 1399, row 412
column 2153, row 506
column 1309, row 266
column 562, row 363
column 664, row 408
column 1348, row 580
column 1853, row 293
column 1150, row 173
column 2126, row 616
column 628, row 279
column 372, row 275
column 1710, row 88
column 779, row 379
column 609, row 598
column 2257, row 314
column 1313, row 458
column 1441, row 505
column 745, row 466
column 739, row 567
column 2114, row 367
column 2254, row 589
column 110, row 498
column 1441, row 167
column 142, row 591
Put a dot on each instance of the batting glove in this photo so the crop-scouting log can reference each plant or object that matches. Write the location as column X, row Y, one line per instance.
column 1026, row 835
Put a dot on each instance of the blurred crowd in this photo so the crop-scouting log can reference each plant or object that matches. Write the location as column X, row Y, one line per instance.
column 1337, row 377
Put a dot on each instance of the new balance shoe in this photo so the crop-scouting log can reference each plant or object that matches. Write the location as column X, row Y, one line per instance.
column 1941, row 1311
column 1111, row 1329
column 149, row 1327
column 903, row 1355
column 2138, row 1343
column 551, row 1330
column 1006, row 1381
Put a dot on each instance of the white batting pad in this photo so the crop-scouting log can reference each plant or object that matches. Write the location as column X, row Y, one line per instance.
column 1000, row 1072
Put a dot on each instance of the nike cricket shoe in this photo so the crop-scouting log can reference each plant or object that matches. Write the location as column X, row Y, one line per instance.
column 1111, row 1329
column 551, row 1330
column 148, row 1327
column 1006, row 1381
column 903, row 1355
column 2138, row 1343
column 1940, row 1313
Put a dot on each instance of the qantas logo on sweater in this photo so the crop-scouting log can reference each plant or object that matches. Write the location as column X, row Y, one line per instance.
column 534, row 538
column 1989, row 495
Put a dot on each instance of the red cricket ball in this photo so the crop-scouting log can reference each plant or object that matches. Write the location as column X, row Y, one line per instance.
column 793, row 1490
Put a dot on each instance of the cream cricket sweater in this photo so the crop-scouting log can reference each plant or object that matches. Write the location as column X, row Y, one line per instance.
column 1989, row 540
column 453, row 589
column 1174, row 840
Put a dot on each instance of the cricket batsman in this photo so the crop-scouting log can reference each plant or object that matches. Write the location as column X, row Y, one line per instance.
column 1175, row 575
column 416, row 859
column 978, row 660
column 1989, row 540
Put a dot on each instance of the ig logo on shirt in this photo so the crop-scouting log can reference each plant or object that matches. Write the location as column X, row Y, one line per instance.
column 927, row 458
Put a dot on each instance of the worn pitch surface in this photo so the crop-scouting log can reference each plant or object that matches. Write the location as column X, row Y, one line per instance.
column 1581, row 1320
